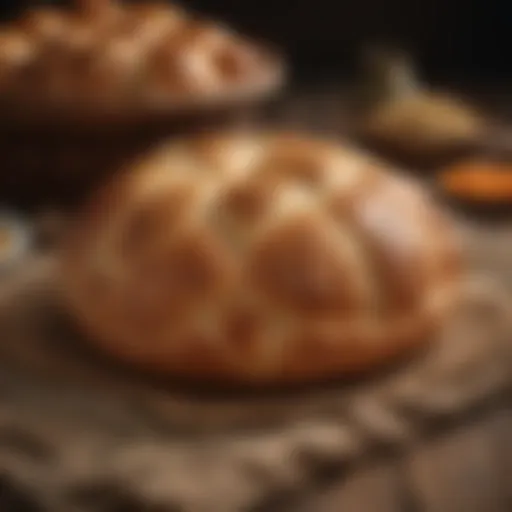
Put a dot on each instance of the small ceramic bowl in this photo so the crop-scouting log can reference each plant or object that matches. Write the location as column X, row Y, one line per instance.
column 480, row 185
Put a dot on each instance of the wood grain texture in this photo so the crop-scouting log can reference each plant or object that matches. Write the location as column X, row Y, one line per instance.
column 457, row 472
column 375, row 488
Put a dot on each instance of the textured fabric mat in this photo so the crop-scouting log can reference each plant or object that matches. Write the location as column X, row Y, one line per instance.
column 81, row 435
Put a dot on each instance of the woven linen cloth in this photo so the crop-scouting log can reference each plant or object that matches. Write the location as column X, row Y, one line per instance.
column 78, row 433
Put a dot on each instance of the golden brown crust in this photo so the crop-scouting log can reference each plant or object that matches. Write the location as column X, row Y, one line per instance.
column 260, row 259
column 127, row 57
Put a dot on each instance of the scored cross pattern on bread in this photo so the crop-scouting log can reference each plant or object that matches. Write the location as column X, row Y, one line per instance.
column 260, row 258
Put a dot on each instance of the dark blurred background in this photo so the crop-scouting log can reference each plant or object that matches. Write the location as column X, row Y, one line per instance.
column 454, row 40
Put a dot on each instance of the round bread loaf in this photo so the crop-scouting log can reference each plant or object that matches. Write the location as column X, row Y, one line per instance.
column 129, row 59
column 260, row 259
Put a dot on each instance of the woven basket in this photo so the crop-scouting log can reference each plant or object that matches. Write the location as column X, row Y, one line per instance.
column 59, row 166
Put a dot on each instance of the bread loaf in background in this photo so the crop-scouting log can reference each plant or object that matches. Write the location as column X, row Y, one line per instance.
column 107, row 55
column 260, row 259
